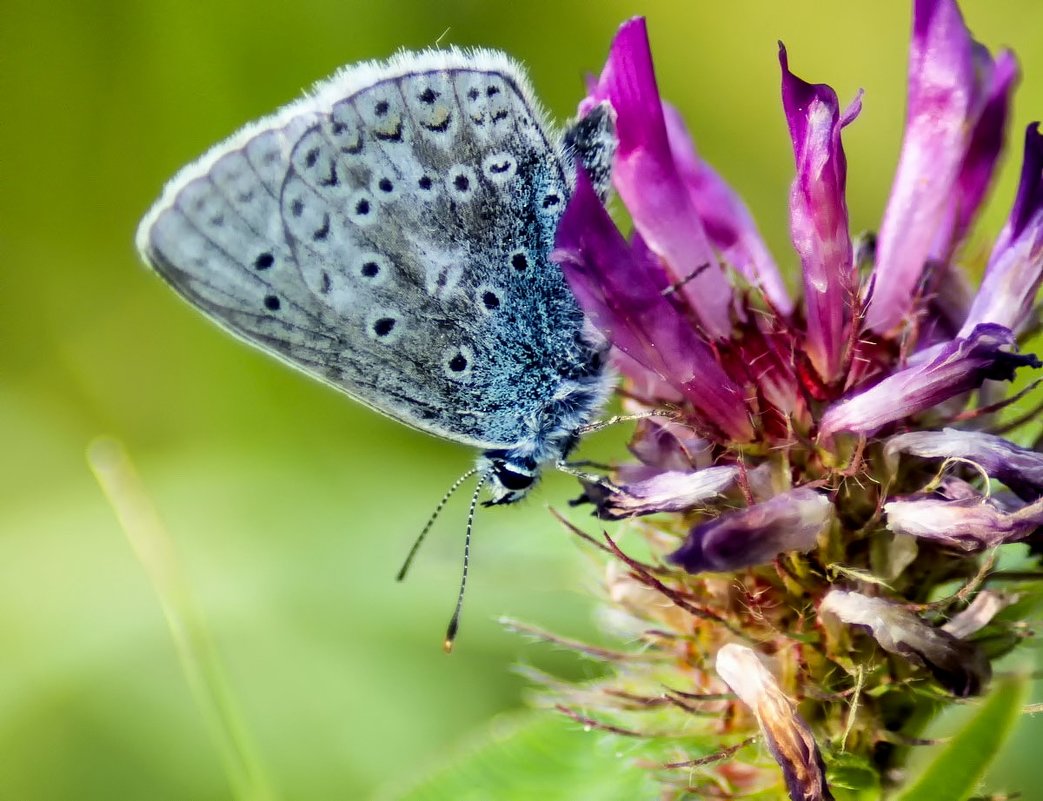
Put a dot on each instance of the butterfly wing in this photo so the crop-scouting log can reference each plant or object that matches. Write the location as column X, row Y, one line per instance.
column 390, row 235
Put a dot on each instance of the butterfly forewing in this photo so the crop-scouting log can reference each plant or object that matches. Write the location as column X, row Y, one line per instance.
column 390, row 235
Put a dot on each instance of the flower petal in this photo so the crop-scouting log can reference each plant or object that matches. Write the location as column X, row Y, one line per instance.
column 985, row 606
column 623, row 296
column 970, row 524
column 649, row 183
column 754, row 536
column 667, row 491
column 818, row 215
column 728, row 223
column 669, row 446
column 944, row 102
column 1012, row 279
column 767, row 356
column 952, row 369
column 788, row 736
column 1019, row 468
column 983, row 151
column 959, row 666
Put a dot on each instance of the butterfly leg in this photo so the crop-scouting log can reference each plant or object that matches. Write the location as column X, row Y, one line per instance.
column 575, row 469
column 598, row 425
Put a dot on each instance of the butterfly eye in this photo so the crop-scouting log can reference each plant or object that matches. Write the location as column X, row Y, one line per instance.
column 511, row 479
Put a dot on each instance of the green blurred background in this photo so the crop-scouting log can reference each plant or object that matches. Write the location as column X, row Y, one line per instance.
column 291, row 507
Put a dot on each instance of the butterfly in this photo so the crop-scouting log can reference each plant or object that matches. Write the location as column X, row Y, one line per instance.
column 390, row 234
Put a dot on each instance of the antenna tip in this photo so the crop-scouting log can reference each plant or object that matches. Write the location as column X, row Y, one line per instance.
column 450, row 634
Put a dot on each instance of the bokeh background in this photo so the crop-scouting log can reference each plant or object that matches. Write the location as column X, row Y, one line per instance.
column 290, row 507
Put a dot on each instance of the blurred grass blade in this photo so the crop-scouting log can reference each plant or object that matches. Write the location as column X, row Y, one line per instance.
column 960, row 767
column 140, row 521
column 534, row 755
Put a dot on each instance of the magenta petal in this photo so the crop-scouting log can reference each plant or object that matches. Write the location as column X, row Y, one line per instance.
column 983, row 152
column 756, row 535
column 943, row 102
column 727, row 221
column 1019, row 468
column 818, row 216
column 649, row 183
column 623, row 296
column 969, row 524
column 1012, row 279
column 953, row 368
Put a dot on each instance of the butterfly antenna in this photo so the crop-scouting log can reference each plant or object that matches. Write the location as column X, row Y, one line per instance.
column 454, row 621
column 431, row 521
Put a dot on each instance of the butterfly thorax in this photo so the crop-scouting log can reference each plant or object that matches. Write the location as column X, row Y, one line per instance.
column 513, row 471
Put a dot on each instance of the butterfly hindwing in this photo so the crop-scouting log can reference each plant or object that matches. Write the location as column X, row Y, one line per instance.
column 391, row 237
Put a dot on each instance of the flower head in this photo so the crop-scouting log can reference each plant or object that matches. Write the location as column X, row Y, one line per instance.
column 818, row 484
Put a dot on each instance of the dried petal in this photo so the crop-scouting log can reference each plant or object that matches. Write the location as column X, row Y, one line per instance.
column 623, row 296
column 818, row 215
column 986, row 605
column 754, row 536
column 970, row 524
column 648, row 181
column 1019, row 468
column 959, row 666
column 952, row 369
column 788, row 736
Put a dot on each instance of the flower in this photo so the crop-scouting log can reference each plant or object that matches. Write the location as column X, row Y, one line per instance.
column 818, row 492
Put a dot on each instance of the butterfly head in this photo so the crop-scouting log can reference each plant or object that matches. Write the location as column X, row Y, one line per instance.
column 510, row 476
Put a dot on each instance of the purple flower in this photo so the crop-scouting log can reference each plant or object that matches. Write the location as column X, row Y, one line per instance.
column 662, row 299
column 955, row 368
column 1008, row 291
column 791, row 521
column 971, row 524
column 663, row 445
column 950, row 78
column 853, row 430
column 818, row 215
column 666, row 491
column 647, row 178
column 628, row 304
column 1019, row 468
